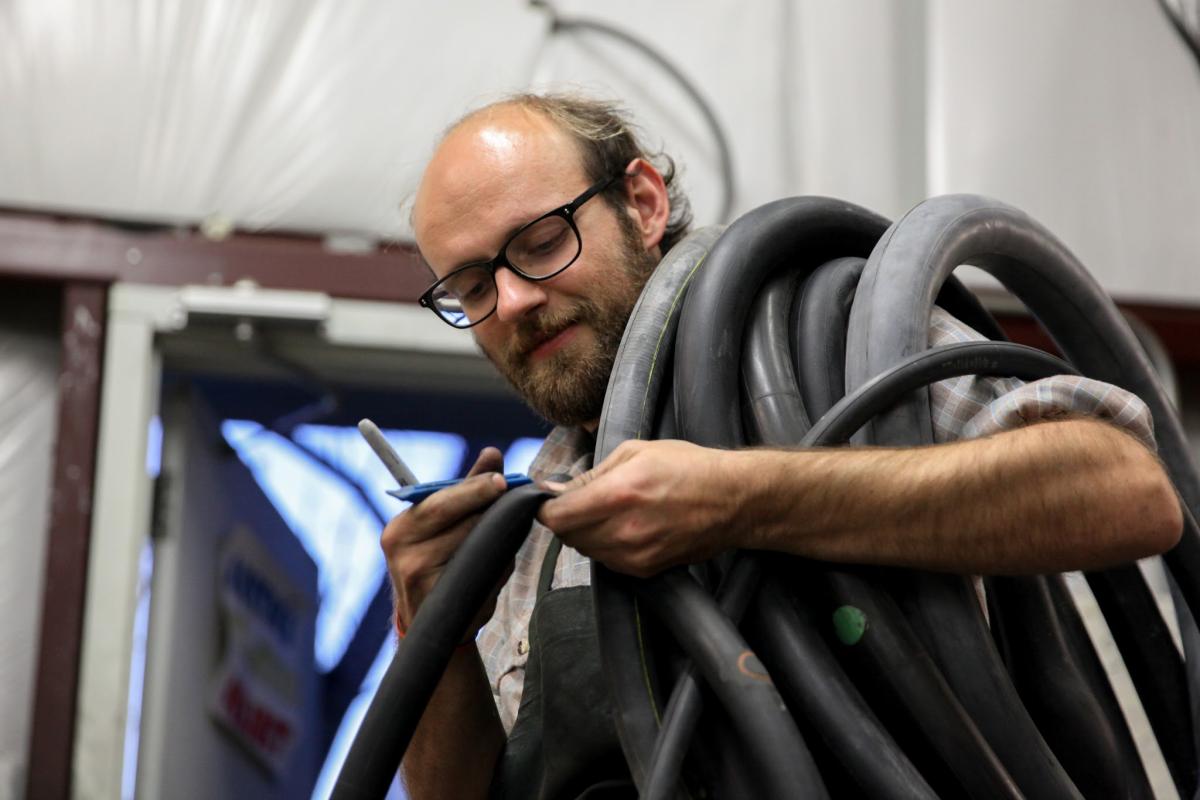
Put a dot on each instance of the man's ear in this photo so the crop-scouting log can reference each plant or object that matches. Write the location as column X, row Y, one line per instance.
column 646, row 201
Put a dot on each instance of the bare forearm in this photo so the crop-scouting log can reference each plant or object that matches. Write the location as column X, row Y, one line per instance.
column 455, row 747
column 1065, row 495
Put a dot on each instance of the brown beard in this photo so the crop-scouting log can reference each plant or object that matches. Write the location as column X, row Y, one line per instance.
column 568, row 386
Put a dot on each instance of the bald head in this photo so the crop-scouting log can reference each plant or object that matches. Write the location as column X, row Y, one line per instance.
column 494, row 171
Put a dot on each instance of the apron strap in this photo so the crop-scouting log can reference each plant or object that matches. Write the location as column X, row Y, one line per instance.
column 546, row 577
column 548, row 564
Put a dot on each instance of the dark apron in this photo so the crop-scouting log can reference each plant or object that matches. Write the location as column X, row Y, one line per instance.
column 564, row 743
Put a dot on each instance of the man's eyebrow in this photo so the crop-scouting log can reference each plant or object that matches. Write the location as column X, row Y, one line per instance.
column 508, row 235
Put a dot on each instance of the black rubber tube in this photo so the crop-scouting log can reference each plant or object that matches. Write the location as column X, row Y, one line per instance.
column 824, row 308
column 836, row 716
column 909, row 375
column 706, row 360
column 1062, row 683
column 745, row 286
column 752, row 249
column 942, row 608
column 819, row 332
column 1190, row 636
column 686, row 702
column 779, row 758
column 722, row 293
column 633, row 387
column 640, row 369
column 631, row 409
column 953, row 731
column 1150, row 656
column 917, row 686
column 436, row 630
column 945, row 613
column 816, row 688
column 772, row 394
column 917, row 254
column 802, row 663
column 706, row 385
column 925, row 691
column 891, row 315
column 821, row 317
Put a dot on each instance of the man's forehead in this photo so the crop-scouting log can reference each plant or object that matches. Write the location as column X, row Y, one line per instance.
column 503, row 163
column 504, row 142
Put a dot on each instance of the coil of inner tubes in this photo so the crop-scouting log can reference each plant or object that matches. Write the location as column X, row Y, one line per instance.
column 806, row 323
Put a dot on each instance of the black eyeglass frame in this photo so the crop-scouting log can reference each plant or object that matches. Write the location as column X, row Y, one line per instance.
column 566, row 212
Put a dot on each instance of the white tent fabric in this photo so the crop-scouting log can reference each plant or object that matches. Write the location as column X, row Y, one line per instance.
column 28, row 388
column 291, row 113
column 317, row 115
column 1085, row 115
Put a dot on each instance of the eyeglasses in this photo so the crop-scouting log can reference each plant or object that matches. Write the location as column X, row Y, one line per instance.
column 536, row 252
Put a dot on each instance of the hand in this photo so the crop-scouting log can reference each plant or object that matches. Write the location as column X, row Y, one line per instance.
column 419, row 542
column 649, row 506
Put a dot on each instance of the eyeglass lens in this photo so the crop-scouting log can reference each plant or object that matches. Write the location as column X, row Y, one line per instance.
column 546, row 247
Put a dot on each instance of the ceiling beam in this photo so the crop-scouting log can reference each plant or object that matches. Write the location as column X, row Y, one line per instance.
column 65, row 249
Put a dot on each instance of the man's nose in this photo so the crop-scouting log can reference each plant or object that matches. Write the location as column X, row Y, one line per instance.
column 515, row 296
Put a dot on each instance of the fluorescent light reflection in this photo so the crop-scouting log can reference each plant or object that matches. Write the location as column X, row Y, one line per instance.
column 520, row 454
column 330, row 519
column 339, row 530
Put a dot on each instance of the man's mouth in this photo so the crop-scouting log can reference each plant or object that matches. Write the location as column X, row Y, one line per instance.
column 552, row 344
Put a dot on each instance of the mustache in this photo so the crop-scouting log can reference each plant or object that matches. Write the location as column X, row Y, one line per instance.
column 545, row 326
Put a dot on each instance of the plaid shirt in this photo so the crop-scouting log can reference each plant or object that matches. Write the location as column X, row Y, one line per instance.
column 967, row 407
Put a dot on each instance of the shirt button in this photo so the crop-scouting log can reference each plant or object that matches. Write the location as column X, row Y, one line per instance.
column 522, row 647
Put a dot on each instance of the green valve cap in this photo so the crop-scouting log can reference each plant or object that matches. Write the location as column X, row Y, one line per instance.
column 849, row 623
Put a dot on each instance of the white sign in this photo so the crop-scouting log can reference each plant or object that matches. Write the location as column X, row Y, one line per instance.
column 256, row 692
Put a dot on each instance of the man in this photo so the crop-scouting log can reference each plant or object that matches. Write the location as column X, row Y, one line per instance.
column 497, row 194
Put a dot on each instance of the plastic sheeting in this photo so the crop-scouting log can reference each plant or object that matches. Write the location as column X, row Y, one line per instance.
column 28, row 389
column 319, row 114
column 278, row 112
column 1085, row 115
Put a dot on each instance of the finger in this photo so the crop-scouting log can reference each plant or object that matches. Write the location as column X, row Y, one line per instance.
column 449, row 506
column 578, row 482
column 435, row 552
column 416, row 569
column 593, row 541
column 591, row 501
column 490, row 460
column 583, row 479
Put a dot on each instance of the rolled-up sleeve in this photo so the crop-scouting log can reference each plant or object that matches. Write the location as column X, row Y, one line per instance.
column 973, row 406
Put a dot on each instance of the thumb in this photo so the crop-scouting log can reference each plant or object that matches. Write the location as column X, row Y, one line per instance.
column 490, row 460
